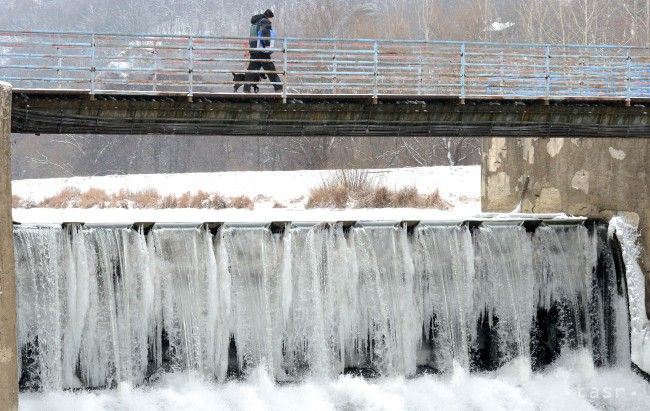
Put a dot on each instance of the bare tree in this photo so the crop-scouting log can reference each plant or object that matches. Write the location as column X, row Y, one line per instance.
column 453, row 151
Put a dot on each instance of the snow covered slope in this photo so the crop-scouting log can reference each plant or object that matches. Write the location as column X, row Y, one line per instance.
column 460, row 186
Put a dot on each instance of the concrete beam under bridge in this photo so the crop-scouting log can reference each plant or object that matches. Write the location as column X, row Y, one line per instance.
column 53, row 112
column 8, row 361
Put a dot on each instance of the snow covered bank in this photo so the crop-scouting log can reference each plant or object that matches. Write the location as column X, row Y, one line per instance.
column 291, row 188
column 460, row 186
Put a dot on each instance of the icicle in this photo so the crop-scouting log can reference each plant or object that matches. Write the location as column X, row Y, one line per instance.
column 504, row 287
column 99, row 351
column 313, row 338
column 388, row 314
column 563, row 264
column 255, row 309
column 223, row 326
column 99, row 307
column 77, row 285
column 40, row 325
column 445, row 261
column 134, row 307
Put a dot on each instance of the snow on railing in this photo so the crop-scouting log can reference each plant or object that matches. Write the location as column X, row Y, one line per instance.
column 190, row 65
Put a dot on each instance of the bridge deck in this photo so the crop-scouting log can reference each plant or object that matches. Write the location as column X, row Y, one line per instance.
column 270, row 115
column 147, row 84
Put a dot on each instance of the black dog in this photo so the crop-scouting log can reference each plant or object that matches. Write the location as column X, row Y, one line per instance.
column 239, row 80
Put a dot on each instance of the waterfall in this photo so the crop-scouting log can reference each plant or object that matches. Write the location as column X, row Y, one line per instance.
column 444, row 289
column 504, row 288
column 99, row 306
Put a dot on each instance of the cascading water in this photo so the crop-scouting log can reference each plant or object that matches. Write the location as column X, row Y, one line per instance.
column 99, row 306
column 444, row 261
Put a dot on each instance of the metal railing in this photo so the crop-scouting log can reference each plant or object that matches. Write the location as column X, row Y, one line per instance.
column 189, row 65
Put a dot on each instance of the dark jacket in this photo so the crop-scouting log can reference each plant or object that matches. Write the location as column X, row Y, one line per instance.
column 264, row 25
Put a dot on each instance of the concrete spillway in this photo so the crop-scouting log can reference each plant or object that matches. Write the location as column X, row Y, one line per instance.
column 101, row 305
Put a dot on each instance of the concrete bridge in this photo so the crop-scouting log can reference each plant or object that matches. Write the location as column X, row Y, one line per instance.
column 122, row 84
column 101, row 83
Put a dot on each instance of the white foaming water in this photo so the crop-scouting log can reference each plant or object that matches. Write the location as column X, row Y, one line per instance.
column 572, row 383
column 166, row 316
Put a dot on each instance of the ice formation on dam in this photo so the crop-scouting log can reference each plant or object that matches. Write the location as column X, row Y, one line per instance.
column 100, row 306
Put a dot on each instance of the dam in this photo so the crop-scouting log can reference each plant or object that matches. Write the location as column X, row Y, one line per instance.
column 99, row 305
column 113, row 309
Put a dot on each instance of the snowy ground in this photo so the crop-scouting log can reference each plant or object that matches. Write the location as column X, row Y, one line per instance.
column 460, row 186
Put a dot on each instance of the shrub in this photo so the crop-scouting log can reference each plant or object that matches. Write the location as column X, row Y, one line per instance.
column 94, row 197
column 67, row 197
column 16, row 201
column 329, row 195
column 279, row 205
column 406, row 197
column 356, row 189
column 19, row 202
column 435, row 200
column 216, row 202
column 120, row 199
column 199, row 200
column 380, row 197
column 346, row 188
column 148, row 198
column 241, row 202
column 357, row 181
column 169, row 201
column 185, row 200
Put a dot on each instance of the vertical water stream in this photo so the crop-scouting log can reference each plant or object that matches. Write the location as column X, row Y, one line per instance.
column 97, row 306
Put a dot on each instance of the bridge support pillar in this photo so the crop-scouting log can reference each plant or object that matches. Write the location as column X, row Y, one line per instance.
column 595, row 177
column 8, row 359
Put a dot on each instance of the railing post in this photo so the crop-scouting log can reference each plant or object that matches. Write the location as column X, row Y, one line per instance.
column 503, row 84
column 547, row 74
column 419, row 80
column 336, row 68
column 375, row 87
column 93, row 67
column 155, row 69
column 60, row 65
column 628, row 80
column 462, row 73
column 285, row 67
column 190, row 70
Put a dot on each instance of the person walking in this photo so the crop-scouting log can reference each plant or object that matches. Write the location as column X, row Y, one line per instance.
column 261, row 43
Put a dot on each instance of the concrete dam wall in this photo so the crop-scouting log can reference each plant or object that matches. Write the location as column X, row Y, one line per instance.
column 580, row 176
